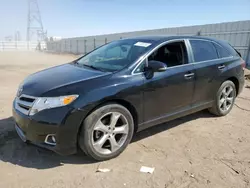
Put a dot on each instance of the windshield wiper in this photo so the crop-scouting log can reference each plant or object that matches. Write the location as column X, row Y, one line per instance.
column 75, row 63
column 93, row 67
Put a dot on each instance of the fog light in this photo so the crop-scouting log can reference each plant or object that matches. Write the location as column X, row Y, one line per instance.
column 53, row 139
column 50, row 139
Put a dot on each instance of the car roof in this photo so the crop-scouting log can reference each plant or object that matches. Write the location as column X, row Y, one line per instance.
column 161, row 38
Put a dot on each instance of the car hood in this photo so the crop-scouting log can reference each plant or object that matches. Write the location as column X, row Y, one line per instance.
column 56, row 77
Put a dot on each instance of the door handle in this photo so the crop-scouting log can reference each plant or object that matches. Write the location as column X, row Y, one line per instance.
column 221, row 67
column 189, row 75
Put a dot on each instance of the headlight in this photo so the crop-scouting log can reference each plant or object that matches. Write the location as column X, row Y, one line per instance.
column 42, row 103
column 19, row 91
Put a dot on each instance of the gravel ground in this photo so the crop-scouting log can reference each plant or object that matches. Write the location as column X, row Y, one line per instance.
column 198, row 150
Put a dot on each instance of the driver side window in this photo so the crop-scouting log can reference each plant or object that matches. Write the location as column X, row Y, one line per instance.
column 172, row 54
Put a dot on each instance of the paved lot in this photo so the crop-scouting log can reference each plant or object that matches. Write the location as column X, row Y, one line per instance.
column 199, row 150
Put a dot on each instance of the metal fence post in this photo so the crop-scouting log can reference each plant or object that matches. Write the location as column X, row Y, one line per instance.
column 85, row 46
column 77, row 47
column 65, row 46
column 94, row 44
column 106, row 40
column 61, row 46
column 248, row 58
column 248, row 55
column 198, row 33
column 70, row 46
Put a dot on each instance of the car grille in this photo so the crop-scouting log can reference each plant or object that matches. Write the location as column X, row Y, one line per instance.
column 24, row 103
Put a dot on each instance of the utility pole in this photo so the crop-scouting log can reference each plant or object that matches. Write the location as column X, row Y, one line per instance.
column 17, row 36
column 34, row 23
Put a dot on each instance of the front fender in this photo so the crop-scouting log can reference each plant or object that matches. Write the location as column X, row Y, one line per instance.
column 129, row 89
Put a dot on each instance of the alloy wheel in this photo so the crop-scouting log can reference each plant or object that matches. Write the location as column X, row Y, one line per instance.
column 226, row 98
column 110, row 132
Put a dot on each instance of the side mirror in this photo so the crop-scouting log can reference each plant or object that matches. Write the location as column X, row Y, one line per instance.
column 157, row 66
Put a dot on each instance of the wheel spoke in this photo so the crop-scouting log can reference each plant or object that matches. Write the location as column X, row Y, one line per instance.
column 230, row 99
column 114, row 118
column 221, row 101
column 121, row 130
column 229, row 91
column 113, row 144
column 224, row 106
column 101, row 127
column 224, row 91
column 99, row 143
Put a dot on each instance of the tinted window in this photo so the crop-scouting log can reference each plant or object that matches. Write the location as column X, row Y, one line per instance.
column 222, row 51
column 203, row 50
column 172, row 54
column 233, row 51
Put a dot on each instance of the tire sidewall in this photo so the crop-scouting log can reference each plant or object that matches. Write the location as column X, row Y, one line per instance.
column 85, row 137
column 223, row 85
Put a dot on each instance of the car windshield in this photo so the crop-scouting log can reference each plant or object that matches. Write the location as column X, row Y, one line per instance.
column 115, row 55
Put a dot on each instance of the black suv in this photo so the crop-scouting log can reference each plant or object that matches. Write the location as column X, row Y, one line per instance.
column 100, row 100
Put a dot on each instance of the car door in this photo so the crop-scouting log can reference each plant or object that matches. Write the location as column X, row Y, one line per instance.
column 170, row 92
column 209, row 69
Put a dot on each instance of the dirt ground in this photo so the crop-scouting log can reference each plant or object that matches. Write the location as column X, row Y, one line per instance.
column 199, row 150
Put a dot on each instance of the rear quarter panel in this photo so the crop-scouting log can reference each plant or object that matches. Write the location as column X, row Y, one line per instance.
column 232, row 71
column 235, row 70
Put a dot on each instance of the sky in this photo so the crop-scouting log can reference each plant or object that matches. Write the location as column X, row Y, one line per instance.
column 75, row 18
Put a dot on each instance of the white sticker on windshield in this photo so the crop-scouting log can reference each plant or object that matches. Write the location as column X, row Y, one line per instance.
column 142, row 44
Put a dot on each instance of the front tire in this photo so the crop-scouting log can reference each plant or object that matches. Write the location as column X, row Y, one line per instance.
column 225, row 99
column 106, row 132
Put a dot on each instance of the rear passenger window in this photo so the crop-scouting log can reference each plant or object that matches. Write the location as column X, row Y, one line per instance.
column 222, row 51
column 203, row 50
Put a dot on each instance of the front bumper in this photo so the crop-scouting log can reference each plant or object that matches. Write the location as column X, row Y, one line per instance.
column 60, row 122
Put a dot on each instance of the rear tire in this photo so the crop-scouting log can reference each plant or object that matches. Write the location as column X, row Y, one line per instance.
column 225, row 98
column 106, row 132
